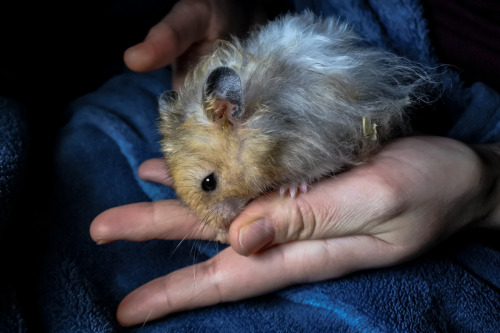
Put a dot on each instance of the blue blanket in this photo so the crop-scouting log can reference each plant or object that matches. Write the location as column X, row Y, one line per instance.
column 454, row 287
column 13, row 165
column 13, row 154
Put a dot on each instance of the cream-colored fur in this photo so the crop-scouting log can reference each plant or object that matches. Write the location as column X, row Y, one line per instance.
column 307, row 87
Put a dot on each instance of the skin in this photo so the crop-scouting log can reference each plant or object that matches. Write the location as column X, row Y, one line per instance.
column 188, row 32
column 416, row 192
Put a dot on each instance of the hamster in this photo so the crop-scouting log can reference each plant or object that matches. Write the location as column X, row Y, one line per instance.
column 301, row 98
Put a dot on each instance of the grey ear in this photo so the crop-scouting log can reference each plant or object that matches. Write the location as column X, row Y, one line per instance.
column 166, row 100
column 224, row 85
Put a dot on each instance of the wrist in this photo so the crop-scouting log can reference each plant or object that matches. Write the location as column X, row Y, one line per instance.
column 489, row 155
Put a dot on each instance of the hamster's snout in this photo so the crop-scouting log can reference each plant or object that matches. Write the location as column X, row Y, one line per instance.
column 224, row 212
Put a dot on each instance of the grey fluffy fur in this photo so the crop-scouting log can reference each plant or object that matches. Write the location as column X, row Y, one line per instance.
column 307, row 83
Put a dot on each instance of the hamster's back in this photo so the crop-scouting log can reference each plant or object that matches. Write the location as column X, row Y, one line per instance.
column 316, row 81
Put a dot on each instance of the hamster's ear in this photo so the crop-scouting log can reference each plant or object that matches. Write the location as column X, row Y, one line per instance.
column 166, row 100
column 223, row 95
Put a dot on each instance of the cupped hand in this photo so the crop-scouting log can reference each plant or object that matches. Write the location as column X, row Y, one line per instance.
column 414, row 193
column 188, row 32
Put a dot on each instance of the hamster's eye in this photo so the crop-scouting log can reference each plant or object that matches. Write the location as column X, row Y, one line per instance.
column 209, row 183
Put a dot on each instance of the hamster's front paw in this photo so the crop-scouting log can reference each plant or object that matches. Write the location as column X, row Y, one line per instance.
column 293, row 189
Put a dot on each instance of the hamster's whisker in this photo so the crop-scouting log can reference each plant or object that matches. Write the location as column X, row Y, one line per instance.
column 147, row 318
column 178, row 246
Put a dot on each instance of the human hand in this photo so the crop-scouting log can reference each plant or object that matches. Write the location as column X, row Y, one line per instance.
column 414, row 193
column 188, row 32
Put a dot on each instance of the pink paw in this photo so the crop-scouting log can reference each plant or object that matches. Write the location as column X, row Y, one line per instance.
column 293, row 189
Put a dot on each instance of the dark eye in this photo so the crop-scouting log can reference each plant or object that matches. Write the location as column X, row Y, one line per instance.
column 209, row 183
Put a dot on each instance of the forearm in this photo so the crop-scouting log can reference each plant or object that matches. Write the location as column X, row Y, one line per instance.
column 489, row 155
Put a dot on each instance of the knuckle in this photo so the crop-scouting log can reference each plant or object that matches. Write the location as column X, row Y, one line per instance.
column 166, row 292
column 214, row 274
column 388, row 198
column 299, row 222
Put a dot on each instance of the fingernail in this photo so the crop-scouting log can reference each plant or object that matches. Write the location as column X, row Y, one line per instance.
column 100, row 241
column 256, row 236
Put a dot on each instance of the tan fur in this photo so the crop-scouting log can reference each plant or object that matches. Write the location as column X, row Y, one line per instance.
column 306, row 87
column 240, row 178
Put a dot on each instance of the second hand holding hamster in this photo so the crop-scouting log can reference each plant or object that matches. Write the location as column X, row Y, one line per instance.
column 300, row 99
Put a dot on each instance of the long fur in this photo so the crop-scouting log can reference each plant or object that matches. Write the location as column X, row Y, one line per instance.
column 308, row 83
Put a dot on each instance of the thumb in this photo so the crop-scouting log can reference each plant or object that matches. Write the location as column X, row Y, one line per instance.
column 341, row 206
column 274, row 220
column 186, row 24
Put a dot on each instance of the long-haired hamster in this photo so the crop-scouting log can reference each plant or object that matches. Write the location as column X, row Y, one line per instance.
column 300, row 99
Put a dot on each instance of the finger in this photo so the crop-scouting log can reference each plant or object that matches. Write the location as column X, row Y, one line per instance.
column 231, row 277
column 185, row 61
column 354, row 202
column 186, row 24
column 155, row 170
column 166, row 219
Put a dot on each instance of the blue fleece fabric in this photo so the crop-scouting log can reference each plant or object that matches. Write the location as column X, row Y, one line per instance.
column 13, row 164
column 455, row 287
column 13, row 154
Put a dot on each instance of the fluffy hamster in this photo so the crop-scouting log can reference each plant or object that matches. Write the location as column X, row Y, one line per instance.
column 301, row 98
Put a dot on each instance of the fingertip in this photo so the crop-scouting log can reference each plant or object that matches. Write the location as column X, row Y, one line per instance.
column 99, row 228
column 253, row 237
column 160, row 47
column 125, row 315
column 146, row 303
column 139, row 58
column 252, row 230
column 139, row 306
column 154, row 170
column 121, row 222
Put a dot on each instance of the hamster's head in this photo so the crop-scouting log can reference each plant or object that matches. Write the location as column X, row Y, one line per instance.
column 216, row 162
